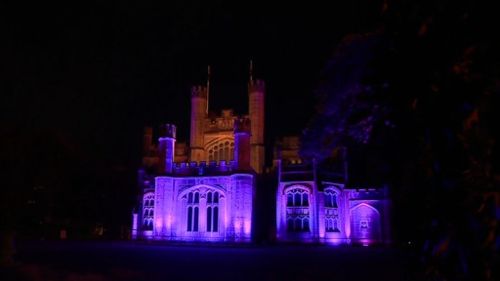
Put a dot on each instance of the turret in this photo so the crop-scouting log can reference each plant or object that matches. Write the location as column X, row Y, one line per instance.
column 198, row 115
column 166, row 149
column 256, row 95
column 242, row 127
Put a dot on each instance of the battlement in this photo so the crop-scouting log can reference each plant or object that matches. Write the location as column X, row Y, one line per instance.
column 202, row 168
column 242, row 125
column 256, row 86
column 199, row 91
column 168, row 131
column 368, row 193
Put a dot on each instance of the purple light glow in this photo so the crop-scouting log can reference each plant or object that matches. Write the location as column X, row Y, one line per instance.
column 365, row 223
column 332, row 220
column 174, row 196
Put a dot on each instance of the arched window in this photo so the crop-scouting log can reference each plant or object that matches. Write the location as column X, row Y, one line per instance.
column 297, row 202
column 298, row 224
column 195, row 220
column 190, row 219
column 297, row 199
column 305, row 199
column 209, row 219
column 212, row 211
column 221, row 150
column 334, row 200
column 305, row 224
column 289, row 200
column 216, row 219
column 148, row 211
column 331, row 211
column 331, row 199
column 193, row 211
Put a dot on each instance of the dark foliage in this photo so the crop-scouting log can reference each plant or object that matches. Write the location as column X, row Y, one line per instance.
column 415, row 102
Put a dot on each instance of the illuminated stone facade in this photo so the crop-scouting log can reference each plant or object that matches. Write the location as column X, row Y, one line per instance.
column 314, row 205
column 205, row 191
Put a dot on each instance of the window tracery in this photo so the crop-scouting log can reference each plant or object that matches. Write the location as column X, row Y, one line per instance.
column 212, row 211
column 331, row 211
column 148, row 211
column 193, row 210
column 297, row 211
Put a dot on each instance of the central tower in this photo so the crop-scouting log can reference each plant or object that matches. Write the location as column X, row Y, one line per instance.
column 199, row 100
column 256, row 95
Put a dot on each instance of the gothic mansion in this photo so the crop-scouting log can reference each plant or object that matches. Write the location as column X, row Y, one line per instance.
column 207, row 191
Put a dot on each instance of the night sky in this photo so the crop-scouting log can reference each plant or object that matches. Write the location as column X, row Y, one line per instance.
column 91, row 76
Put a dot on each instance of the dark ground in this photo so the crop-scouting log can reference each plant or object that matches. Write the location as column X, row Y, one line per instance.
column 104, row 260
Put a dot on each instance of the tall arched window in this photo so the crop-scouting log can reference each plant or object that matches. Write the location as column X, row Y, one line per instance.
column 297, row 212
column 331, row 211
column 216, row 219
column 209, row 219
column 212, row 211
column 195, row 219
column 148, row 211
column 331, row 199
column 193, row 211
column 221, row 150
column 190, row 219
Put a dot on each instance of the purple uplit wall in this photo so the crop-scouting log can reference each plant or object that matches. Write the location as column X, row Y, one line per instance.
column 215, row 209
column 328, row 212
column 365, row 224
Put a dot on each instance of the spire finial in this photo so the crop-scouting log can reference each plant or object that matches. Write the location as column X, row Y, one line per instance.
column 208, row 87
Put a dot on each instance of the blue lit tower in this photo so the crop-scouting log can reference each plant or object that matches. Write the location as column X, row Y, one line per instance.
column 166, row 145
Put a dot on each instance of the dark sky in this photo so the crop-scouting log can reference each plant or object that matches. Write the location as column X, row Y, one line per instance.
column 91, row 76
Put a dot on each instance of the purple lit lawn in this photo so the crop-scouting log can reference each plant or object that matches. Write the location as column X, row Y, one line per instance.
column 140, row 261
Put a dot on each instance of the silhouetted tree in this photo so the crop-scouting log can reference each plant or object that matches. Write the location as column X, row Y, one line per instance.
column 415, row 103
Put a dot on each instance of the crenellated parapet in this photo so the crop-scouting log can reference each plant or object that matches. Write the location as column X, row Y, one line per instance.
column 199, row 91
column 204, row 168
